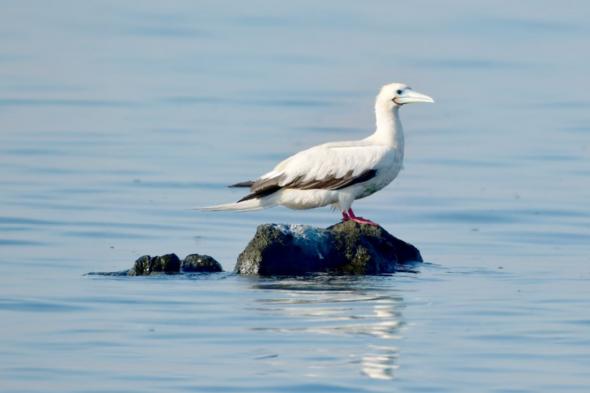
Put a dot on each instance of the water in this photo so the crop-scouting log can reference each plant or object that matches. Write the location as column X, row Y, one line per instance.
column 116, row 119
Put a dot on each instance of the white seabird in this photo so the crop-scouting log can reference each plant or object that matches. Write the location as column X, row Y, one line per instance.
column 336, row 173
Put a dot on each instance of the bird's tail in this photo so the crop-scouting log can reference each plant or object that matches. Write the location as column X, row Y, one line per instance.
column 244, row 206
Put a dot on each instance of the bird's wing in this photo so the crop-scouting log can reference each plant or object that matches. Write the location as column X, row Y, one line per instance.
column 330, row 166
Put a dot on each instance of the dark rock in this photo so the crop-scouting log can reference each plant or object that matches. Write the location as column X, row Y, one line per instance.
column 146, row 265
column 200, row 263
column 344, row 248
column 112, row 274
column 167, row 264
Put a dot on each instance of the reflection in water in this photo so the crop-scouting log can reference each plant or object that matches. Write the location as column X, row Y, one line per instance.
column 381, row 363
column 339, row 306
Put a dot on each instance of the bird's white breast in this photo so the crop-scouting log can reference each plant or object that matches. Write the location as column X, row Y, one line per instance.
column 387, row 170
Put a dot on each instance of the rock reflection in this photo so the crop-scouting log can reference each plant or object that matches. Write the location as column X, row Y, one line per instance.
column 342, row 306
column 381, row 364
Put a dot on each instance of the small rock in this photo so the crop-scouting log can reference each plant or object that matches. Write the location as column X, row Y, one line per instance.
column 344, row 248
column 194, row 263
column 167, row 264
column 146, row 265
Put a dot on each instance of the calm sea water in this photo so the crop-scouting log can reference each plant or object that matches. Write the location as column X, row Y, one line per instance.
column 116, row 119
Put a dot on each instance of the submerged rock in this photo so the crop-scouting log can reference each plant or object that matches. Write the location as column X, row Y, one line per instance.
column 146, row 265
column 168, row 264
column 344, row 248
column 196, row 263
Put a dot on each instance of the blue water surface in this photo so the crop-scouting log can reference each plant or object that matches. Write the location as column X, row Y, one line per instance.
column 116, row 118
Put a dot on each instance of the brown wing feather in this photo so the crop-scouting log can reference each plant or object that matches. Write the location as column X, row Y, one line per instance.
column 264, row 187
column 247, row 183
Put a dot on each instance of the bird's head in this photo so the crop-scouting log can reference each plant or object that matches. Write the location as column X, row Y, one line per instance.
column 397, row 94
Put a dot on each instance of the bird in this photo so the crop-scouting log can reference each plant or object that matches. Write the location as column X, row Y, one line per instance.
column 336, row 173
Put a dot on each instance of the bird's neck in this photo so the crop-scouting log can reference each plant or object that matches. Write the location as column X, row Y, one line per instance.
column 389, row 127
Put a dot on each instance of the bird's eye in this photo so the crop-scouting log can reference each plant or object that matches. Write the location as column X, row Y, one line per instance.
column 399, row 92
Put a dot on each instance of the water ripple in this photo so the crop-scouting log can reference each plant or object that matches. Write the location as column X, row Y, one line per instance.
column 34, row 305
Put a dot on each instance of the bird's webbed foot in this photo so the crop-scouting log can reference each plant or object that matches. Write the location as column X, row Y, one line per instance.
column 350, row 216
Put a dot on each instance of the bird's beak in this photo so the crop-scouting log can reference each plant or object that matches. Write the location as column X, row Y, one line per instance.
column 410, row 96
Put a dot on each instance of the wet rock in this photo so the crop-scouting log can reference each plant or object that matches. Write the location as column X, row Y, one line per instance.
column 146, row 265
column 168, row 264
column 116, row 274
column 196, row 263
column 344, row 248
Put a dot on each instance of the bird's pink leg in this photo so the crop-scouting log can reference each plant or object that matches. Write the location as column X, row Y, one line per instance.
column 345, row 217
column 360, row 220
